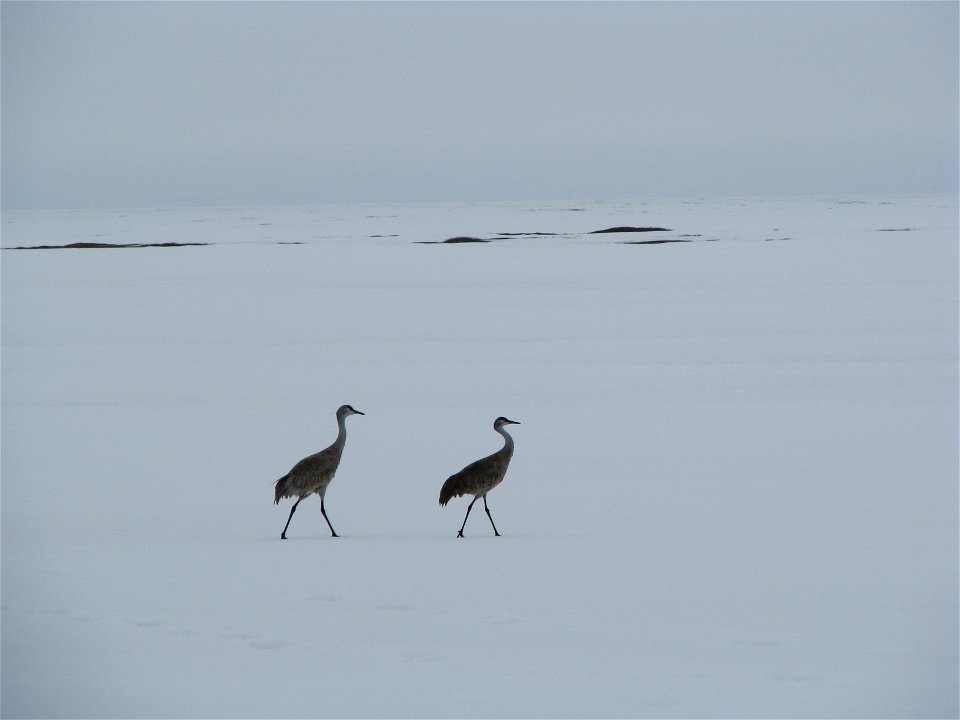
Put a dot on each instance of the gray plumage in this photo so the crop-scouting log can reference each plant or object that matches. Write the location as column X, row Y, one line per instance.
column 480, row 477
column 314, row 473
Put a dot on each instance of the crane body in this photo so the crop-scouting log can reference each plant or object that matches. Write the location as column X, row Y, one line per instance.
column 480, row 477
column 314, row 473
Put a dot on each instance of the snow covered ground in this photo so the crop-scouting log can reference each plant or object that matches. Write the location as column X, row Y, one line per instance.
column 734, row 492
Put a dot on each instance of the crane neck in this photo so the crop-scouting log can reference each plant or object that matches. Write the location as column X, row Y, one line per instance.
column 508, row 441
column 341, row 431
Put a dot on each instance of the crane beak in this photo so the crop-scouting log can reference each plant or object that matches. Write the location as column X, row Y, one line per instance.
column 357, row 412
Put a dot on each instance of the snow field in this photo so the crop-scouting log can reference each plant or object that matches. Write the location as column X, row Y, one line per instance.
column 734, row 491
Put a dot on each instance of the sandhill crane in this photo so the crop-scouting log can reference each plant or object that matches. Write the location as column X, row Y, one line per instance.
column 314, row 473
column 480, row 477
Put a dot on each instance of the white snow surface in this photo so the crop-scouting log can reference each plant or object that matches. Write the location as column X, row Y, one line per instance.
column 734, row 491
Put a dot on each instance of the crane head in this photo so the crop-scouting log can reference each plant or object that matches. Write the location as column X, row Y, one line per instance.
column 347, row 411
column 501, row 421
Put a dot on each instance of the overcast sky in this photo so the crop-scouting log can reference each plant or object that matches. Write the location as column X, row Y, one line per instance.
column 116, row 104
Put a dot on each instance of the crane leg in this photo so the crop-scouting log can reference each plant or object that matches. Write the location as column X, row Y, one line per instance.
column 324, row 511
column 283, row 535
column 469, row 508
column 490, row 516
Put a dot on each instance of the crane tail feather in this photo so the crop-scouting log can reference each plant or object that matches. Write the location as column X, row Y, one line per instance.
column 280, row 489
column 452, row 488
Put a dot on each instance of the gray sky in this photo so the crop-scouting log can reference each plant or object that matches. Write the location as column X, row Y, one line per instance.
column 113, row 104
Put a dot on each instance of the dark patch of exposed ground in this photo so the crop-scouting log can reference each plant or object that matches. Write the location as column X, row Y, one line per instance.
column 654, row 242
column 452, row 241
column 509, row 235
column 627, row 229
column 96, row 246
column 528, row 234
